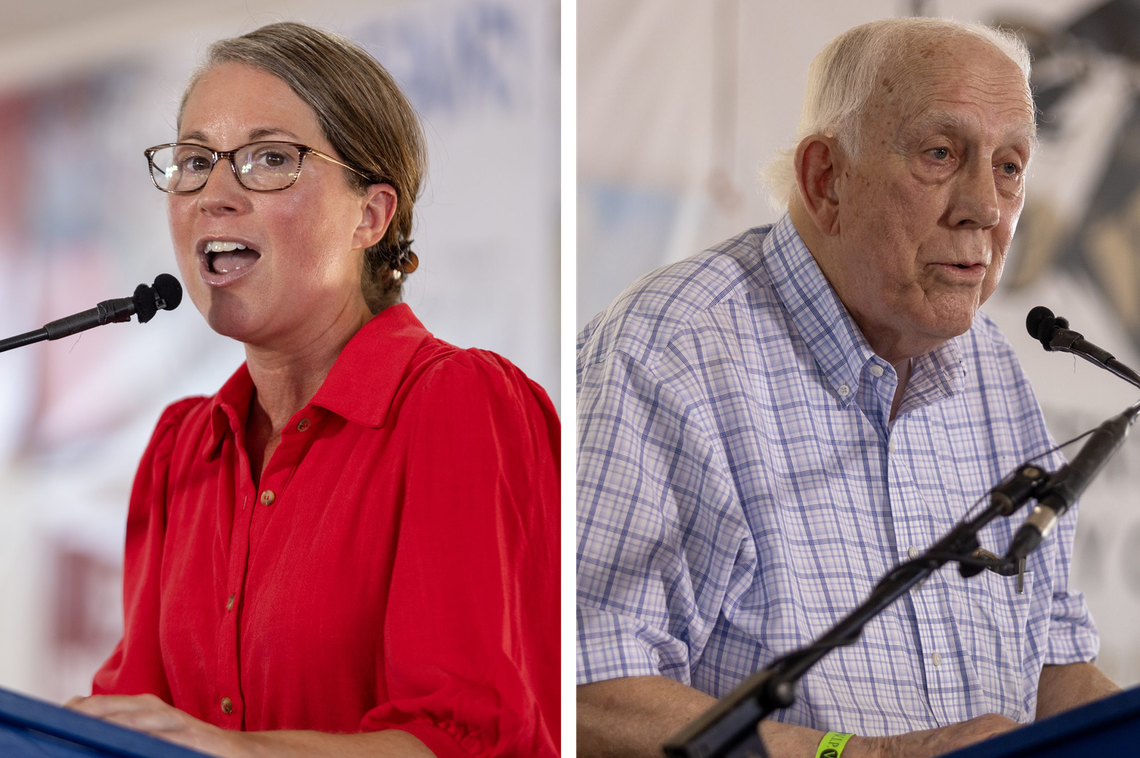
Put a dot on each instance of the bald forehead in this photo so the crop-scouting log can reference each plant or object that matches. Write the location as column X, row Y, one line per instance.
column 913, row 55
column 950, row 84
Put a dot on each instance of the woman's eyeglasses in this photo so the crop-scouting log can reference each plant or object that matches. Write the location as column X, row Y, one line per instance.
column 181, row 167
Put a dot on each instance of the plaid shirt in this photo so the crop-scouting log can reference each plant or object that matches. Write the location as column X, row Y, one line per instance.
column 741, row 487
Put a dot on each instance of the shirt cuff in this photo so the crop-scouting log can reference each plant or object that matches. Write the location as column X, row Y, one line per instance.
column 437, row 740
column 1073, row 637
column 612, row 646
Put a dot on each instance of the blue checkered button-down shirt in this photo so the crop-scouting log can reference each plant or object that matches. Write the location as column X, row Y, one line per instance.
column 741, row 487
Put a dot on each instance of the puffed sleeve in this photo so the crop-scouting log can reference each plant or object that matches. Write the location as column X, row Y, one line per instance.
column 471, row 636
column 141, row 670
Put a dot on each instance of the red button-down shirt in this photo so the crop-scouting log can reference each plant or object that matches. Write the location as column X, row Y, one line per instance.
column 397, row 568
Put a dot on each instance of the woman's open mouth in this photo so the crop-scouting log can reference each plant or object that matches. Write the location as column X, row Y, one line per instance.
column 225, row 261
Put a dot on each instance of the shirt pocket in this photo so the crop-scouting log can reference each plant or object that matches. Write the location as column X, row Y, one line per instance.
column 995, row 628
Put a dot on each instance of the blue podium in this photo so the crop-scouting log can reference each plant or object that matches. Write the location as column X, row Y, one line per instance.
column 1105, row 728
column 37, row 729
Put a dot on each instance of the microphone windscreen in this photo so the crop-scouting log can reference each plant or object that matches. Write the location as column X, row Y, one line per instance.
column 145, row 307
column 1040, row 322
column 168, row 290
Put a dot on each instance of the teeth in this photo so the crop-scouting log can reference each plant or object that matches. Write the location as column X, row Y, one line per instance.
column 223, row 246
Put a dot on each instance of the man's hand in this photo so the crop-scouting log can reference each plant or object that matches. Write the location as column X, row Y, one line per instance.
column 931, row 742
column 633, row 716
column 148, row 713
column 1068, row 686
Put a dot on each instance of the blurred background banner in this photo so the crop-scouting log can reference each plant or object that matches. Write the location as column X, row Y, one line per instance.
column 681, row 103
column 84, row 87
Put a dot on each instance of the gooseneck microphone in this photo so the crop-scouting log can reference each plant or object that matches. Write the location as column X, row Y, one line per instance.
column 1065, row 486
column 165, row 295
column 1053, row 333
column 1069, row 482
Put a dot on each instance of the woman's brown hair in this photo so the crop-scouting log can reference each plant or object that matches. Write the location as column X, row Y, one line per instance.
column 364, row 116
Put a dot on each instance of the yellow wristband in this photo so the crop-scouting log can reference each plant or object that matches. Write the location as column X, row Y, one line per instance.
column 832, row 744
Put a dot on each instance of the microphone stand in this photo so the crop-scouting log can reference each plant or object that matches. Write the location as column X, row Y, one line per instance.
column 28, row 338
column 729, row 728
column 106, row 312
column 164, row 295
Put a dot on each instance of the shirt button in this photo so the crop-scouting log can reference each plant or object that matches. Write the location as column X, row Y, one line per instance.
column 912, row 553
column 227, row 706
column 936, row 659
column 303, row 425
column 268, row 497
column 891, row 446
column 230, row 603
column 844, row 390
column 876, row 369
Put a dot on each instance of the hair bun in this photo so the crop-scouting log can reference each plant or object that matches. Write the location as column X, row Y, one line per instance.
column 405, row 260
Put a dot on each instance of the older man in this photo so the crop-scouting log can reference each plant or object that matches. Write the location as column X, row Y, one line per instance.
column 768, row 427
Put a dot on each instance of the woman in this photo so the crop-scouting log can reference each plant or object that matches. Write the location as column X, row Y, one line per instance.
column 351, row 548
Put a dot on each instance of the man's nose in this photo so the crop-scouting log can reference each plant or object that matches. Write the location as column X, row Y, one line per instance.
column 975, row 202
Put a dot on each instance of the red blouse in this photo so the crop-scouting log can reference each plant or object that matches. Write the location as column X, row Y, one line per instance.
column 397, row 569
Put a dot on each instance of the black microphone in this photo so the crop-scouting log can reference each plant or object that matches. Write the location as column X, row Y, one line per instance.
column 165, row 294
column 1053, row 333
column 1069, row 482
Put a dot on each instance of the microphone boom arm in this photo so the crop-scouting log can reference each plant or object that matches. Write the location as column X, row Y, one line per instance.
column 728, row 729
column 165, row 294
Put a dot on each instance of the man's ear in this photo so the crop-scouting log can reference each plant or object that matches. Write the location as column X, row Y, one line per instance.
column 378, row 206
column 819, row 166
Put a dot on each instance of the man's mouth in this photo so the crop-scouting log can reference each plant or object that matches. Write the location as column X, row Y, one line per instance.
column 226, row 257
column 963, row 273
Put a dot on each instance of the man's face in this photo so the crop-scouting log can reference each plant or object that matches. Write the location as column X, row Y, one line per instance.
column 929, row 204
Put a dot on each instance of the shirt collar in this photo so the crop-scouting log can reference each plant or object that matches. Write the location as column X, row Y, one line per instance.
column 364, row 380
column 821, row 319
column 360, row 386
column 833, row 338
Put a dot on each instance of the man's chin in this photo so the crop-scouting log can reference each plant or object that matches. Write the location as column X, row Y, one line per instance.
column 948, row 323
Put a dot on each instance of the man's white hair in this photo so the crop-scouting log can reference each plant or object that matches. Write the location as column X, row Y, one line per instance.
column 843, row 77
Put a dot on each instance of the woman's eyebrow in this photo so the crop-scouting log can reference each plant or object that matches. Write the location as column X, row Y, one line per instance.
column 267, row 131
column 254, row 134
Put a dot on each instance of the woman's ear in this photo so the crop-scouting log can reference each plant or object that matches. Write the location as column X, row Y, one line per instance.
column 378, row 206
column 818, row 164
